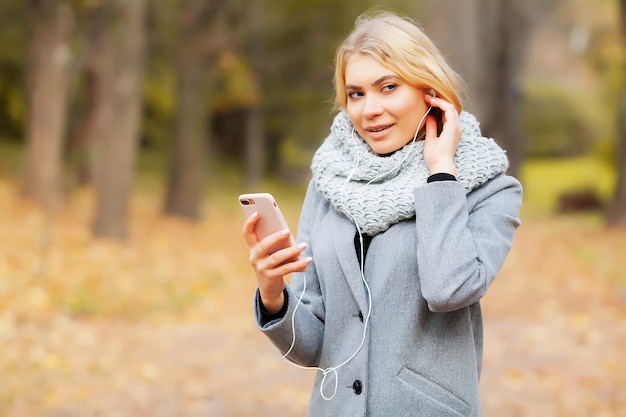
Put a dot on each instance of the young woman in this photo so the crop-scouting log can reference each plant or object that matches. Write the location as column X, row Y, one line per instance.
column 405, row 224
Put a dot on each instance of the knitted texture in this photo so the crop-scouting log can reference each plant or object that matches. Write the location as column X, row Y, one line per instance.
column 377, row 191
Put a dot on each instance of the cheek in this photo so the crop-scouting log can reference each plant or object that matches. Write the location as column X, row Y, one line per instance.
column 413, row 114
column 411, row 105
column 353, row 114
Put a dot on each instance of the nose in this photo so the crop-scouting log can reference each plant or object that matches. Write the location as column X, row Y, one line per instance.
column 372, row 106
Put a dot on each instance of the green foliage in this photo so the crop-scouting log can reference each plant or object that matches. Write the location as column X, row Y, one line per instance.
column 13, row 101
column 561, row 121
column 545, row 180
column 235, row 85
column 11, row 158
column 297, row 85
column 159, row 82
column 287, row 70
column 606, row 57
column 159, row 106
column 13, row 54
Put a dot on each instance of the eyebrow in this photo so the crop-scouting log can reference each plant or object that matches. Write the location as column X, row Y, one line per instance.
column 379, row 81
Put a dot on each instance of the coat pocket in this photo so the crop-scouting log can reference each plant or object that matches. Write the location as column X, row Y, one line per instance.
column 431, row 394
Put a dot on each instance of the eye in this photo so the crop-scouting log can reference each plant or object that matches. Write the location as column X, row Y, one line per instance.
column 389, row 87
column 354, row 94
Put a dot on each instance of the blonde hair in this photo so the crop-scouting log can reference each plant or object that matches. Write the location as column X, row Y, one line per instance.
column 399, row 45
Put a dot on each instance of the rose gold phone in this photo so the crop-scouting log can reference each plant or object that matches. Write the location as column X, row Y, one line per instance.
column 272, row 219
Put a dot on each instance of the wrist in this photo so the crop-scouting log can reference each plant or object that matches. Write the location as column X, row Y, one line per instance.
column 443, row 168
column 273, row 304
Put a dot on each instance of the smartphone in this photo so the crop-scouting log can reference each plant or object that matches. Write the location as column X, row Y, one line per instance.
column 272, row 219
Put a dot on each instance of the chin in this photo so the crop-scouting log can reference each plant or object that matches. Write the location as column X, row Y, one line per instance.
column 383, row 149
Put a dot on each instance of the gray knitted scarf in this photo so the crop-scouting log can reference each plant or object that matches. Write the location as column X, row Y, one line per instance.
column 377, row 191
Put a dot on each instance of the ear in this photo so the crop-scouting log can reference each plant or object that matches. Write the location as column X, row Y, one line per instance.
column 430, row 91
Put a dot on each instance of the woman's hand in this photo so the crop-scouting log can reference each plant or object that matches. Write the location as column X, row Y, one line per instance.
column 439, row 150
column 271, row 269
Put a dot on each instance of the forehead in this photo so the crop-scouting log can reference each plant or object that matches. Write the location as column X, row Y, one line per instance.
column 363, row 70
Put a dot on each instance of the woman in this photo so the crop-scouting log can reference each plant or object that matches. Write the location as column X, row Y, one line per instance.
column 407, row 220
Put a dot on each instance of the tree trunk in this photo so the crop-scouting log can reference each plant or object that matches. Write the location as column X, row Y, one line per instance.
column 255, row 146
column 617, row 210
column 206, row 30
column 47, row 93
column 255, row 137
column 510, row 31
column 504, row 34
column 487, row 48
column 186, row 176
column 460, row 45
column 116, row 147
column 90, row 124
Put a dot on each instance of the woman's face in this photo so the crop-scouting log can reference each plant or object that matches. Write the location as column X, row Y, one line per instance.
column 383, row 108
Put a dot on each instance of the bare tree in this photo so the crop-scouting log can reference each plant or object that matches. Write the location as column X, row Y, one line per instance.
column 460, row 45
column 115, row 146
column 205, row 30
column 617, row 210
column 512, row 23
column 51, row 23
column 90, row 123
column 186, row 175
column 488, row 46
column 255, row 138
column 506, row 25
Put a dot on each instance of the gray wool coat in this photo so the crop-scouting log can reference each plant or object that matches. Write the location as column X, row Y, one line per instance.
column 423, row 347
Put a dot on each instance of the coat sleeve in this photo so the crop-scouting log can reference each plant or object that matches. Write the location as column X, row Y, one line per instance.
column 463, row 240
column 306, row 317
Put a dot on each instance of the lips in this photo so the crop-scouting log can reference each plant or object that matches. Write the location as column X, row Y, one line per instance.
column 379, row 132
column 375, row 129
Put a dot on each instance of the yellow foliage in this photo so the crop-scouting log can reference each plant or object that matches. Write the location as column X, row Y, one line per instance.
column 236, row 85
column 164, row 320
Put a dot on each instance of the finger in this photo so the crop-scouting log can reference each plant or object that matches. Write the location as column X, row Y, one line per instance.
column 285, row 267
column 431, row 127
column 289, row 254
column 451, row 124
column 450, row 117
column 248, row 230
column 296, row 266
column 268, row 263
column 279, row 240
column 450, row 114
column 274, row 250
column 441, row 103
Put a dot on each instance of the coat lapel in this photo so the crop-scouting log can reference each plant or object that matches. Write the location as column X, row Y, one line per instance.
column 343, row 231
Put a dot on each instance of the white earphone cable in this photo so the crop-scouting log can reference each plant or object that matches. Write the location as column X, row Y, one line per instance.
column 333, row 369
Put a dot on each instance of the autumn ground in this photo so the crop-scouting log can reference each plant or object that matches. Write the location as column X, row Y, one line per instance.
column 161, row 325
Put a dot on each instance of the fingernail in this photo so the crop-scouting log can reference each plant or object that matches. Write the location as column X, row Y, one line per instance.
column 254, row 215
column 285, row 232
column 302, row 245
column 308, row 260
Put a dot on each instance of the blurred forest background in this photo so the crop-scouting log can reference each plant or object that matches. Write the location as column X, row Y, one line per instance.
column 129, row 127
column 210, row 92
